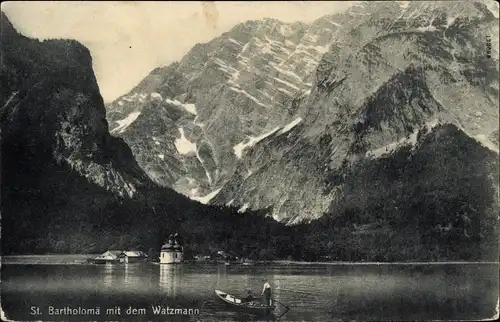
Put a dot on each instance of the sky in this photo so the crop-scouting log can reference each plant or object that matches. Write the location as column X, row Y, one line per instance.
column 129, row 39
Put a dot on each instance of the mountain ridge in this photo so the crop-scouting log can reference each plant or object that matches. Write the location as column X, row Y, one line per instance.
column 384, row 72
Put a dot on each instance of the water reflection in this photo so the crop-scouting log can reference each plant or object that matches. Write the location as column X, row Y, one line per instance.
column 126, row 278
column 170, row 279
column 222, row 281
column 276, row 284
column 247, row 281
column 108, row 275
column 134, row 275
column 312, row 293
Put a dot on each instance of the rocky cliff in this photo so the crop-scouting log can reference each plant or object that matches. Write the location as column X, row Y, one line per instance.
column 66, row 122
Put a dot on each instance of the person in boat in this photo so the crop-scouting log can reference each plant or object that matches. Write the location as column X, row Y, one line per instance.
column 266, row 292
column 249, row 298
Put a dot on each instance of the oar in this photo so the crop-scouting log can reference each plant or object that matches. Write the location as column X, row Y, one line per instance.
column 284, row 289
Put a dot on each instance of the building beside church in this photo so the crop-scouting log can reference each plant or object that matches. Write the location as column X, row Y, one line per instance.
column 108, row 257
column 120, row 257
column 172, row 252
column 132, row 256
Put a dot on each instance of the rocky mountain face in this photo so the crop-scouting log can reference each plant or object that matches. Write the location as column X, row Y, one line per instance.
column 259, row 117
column 37, row 121
column 388, row 75
column 189, row 123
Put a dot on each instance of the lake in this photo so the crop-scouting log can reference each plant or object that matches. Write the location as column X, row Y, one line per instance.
column 315, row 292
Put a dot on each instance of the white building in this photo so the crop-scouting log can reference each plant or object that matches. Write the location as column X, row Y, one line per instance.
column 171, row 252
column 110, row 256
column 132, row 256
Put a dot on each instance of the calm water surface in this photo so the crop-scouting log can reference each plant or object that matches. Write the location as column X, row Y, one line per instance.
column 318, row 292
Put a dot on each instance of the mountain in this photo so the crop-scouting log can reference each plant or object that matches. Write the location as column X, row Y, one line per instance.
column 257, row 117
column 75, row 136
column 390, row 73
column 189, row 123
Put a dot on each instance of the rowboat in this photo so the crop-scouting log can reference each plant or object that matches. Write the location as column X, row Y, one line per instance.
column 238, row 304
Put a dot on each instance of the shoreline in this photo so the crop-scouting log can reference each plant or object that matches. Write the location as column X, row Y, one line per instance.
column 387, row 263
column 81, row 259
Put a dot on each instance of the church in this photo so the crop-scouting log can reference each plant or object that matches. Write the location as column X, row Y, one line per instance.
column 172, row 251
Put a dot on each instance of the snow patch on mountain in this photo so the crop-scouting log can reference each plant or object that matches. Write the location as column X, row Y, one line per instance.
column 183, row 145
column 431, row 124
column 207, row 174
column 234, row 41
column 195, row 122
column 411, row 140
column 244, row 208
column 156, row 95
column 481, row 138
column 287, row 72
column 290, row 125
column 428, row 28
column 449, row 21
column 224, row 66
column 320, row 49
column 130, row 98
column 238, row 149
column 124, row 123
column 249, row 96
column 206, row 199
column 391, row 147
column 142, row 97
column 284, row 91
column 191, row 108
column 286, row 83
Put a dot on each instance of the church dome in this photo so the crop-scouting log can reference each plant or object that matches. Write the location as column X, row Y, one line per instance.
column 167, row 246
